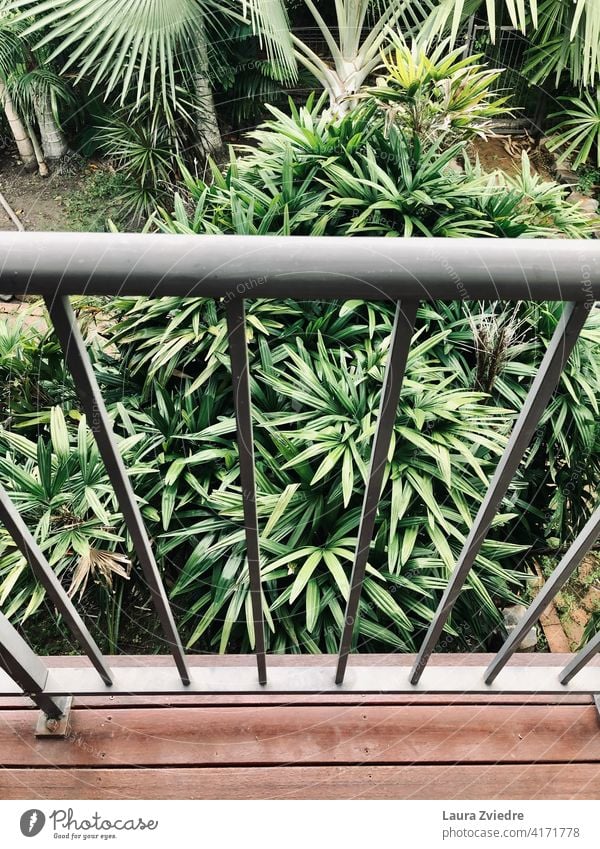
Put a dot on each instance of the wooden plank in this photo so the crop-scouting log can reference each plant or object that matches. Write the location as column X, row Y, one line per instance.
column 534, row 781
column 296, row 699
column 255, row 736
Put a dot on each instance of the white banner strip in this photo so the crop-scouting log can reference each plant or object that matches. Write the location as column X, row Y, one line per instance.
column 351, row 824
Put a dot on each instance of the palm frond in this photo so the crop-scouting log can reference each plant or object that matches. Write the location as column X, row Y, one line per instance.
column 145, row 42
column 565, row 35
column 100, row 566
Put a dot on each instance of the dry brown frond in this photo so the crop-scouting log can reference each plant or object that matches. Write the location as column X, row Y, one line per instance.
column 101, row 566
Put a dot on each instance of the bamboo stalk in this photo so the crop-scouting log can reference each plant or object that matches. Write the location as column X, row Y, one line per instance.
column 11, row 213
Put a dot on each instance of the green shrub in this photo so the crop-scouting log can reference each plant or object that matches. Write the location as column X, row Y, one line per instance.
column 317, row 371
column 438, row 91
column 61, row 489
column 588, row 179
column 98, row 201
column 316, row 382
column 309, row 175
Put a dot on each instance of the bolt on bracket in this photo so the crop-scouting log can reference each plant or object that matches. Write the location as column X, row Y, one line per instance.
column 55, row 727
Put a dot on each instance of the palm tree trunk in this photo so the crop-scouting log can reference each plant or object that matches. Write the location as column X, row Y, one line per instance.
column 39, row 155
column 53, row 139
column 23, row 142
column 207, row 123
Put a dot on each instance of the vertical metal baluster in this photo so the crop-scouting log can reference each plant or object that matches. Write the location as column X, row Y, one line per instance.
column 236, row 329
column 25, row 668
column 402, row 332
column 545, row 382
column 581, row 659
column 559, row 577
column 11, row 519
column 78, row 361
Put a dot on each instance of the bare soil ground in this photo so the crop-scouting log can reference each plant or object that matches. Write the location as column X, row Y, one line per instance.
column 37, row 201
column 40, row 202
column 564, row 621
column 29, row 311
column 493, row 155
column 580, row 599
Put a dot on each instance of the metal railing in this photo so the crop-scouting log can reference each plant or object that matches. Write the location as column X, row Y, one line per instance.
column 231, row 268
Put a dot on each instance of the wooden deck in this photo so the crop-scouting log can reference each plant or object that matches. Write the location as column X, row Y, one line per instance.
column 310, row 746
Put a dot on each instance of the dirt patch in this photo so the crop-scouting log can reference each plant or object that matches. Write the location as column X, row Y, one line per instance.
column 29, row 311
column 566, row 622
column 580, row 599
column 37, row 201
column 503, row 153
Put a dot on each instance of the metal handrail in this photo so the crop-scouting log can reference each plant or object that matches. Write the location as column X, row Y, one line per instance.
column 233, row 269
column 320, row 267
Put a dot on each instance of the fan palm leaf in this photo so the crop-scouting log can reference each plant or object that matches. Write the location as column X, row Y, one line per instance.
column 565, row 34
column 147, row 41
column 567, row 41
column 578, row 133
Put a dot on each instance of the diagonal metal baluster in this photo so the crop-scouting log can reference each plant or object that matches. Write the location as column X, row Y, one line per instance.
column 11, row 519
column 76, row 357
column 545, row 382
column 236, row 330
column 25, row 668
column 402, row 332
column 559, row 577
column 580, row 660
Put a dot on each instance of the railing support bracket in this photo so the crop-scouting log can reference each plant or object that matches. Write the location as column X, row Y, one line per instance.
column 49, row 726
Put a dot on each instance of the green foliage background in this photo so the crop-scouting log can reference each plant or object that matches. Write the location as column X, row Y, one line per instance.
column 317, row 371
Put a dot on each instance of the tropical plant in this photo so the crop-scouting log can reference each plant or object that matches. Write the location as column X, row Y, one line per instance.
column 309, row 174
column 142, row 146
column 450, row 14
column 499, row 351
column 360, row 36
column 38, row 92
column 322, row 371
column 32, row 371
column 434, row 91
column 317, row 371
column 163, row 49
column 10, row 50
column 31, row 93
column 11, row 57
column 578, row 132
column 245, row 78
column 565, row 36
column 61, row 489
column 565, row 43
column 145, row 47
column 526, row 205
